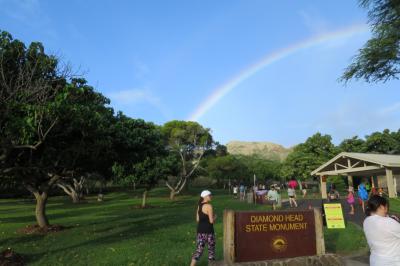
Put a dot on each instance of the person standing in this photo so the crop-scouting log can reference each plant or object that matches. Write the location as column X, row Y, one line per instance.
column 205, row 218
column 363, row 195
column 292, row 196
column 350, row 200
column 272, row 196
column 241, row 191
column 235, row 191
column 367, row 186
column 382, row 233
column 304, row 189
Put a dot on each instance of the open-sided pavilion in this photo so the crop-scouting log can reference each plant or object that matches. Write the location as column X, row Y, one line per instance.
column 383, row 169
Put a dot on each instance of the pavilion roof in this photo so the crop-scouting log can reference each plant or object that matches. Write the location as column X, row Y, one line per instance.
column 348, row 162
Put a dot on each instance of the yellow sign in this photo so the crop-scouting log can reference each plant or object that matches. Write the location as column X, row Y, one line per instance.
column 334, row 215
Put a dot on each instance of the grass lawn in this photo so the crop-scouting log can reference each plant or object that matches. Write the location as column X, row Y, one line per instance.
column 113, row 233
column 394, row 205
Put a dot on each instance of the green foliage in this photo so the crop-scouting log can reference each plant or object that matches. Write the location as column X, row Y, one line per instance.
column 378, row 142
column 308, row 156
column 339, row 182
column 242, row 168
column 318, row 149
column 264, row 169
column 187, row 135
column 226, row 167
column 353, row 144
column 379, row 59
column 190, row 142
column 383, row 142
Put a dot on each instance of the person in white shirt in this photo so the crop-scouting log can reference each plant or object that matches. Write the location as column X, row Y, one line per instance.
column 235, row 191
column 272, row 196
column 382, row 233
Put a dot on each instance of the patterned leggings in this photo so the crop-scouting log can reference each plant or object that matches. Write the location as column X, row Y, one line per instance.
column 202, row 239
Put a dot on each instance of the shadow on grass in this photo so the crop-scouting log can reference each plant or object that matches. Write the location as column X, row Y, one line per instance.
column 105, row 223
column 116, row 224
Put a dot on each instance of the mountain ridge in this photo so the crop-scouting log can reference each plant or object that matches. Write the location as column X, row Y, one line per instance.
column 264, row 149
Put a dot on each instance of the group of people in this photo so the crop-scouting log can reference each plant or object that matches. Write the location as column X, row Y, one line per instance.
column 364, row 192
column 381, row 229
column 272, row 195
column 241, row 190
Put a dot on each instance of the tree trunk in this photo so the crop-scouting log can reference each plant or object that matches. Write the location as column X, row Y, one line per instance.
column 75, row 197
column 40, row 211
column 172, row 195
column 70, row 191
column 144, row 197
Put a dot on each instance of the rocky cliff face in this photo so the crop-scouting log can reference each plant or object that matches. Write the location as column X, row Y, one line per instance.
column 266, row 150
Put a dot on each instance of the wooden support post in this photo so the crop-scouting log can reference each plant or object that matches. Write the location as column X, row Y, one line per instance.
column 319, row 232
column 229, row 237
column 323, row 187
column 390, row 183
column 350, row 180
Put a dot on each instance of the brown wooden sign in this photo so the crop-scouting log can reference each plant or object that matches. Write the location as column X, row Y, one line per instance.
column 273, row 235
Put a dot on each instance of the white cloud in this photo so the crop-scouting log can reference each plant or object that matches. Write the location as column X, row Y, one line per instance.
column 352, row 118
column 136, row 96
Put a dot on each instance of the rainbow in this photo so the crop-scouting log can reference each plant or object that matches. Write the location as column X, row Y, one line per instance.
column 218, row 93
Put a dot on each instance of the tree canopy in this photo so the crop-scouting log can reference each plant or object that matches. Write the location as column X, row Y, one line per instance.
column 56, row 130
column 189, row 141
column 379, row 59
column 307, row 156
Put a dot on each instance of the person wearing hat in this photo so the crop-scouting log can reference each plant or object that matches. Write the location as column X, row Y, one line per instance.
column 205, row 218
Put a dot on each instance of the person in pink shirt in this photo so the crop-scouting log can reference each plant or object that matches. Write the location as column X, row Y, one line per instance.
column 350, row 199
column 292, row 183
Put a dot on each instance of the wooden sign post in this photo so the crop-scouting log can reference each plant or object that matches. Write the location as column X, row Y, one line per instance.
column 256, row 236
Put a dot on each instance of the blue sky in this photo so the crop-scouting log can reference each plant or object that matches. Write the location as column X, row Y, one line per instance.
column 159, row 60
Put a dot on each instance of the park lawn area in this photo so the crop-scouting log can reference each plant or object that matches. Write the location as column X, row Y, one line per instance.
column 345, row 241
column 114, row 233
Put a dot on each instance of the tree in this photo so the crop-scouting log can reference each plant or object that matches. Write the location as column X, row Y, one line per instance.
column 141, row 153
column 229, row 166
column 309, row 155
column 353, row 144
column 31, row 88
column 82, row 144
column 149, row 172
column 379, row 59
column 384, row 142
column 189, row 140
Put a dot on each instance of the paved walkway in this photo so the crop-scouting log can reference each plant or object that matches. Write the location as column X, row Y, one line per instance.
column 357, row 218
column 357, row 261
